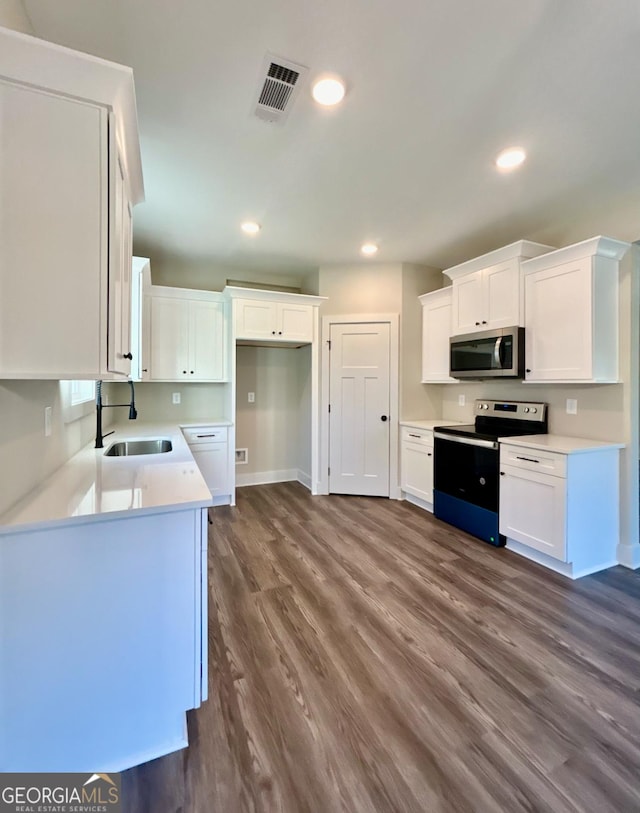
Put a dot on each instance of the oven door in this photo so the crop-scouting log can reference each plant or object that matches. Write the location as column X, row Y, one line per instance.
column 466, row 474
column 488, row 354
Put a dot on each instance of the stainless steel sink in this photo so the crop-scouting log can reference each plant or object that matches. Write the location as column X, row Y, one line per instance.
column 132, row 447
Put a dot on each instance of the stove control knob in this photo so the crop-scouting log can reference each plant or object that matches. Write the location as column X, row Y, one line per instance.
column 526, row 409
column 534, row 410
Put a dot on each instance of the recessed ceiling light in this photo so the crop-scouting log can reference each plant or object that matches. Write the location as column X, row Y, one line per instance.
column 369, row 249
column 511, row 158
column 250, row 227
column 328, row 91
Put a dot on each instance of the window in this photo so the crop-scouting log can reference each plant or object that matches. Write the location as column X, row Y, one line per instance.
column 78, row 399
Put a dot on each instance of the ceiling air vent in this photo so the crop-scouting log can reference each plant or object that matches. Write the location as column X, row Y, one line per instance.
column 280, row 82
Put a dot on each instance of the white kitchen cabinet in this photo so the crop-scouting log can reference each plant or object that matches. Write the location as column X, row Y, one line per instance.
column 561, row 509
column 273, row 316
column 188, row 335
column 436, row 332
column 70, row 168
column 209, row 446
column 416, row 464
column 571, row 313
column 487, row 292
column 137, row 584
column 140, row 317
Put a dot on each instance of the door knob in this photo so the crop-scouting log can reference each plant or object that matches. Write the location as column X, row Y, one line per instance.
column 127, row 356
column 383, row 417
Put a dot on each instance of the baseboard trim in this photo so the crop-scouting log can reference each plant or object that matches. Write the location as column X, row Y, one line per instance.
column 564, row 568
column 426, row 506
column 628, row 556
column 260, row 478
column 304, row 478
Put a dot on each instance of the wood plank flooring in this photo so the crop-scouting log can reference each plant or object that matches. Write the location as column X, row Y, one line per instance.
column 366, row 657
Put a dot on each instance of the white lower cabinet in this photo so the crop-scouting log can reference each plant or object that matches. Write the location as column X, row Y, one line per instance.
column 416, row 465
column 117, row 610
column 210, row 449
column 561, row 510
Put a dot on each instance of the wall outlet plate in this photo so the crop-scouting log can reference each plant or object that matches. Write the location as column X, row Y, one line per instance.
column 572, row 406
column 251, row 397
column 242, row 456
column 175, row 397
column 461, row 400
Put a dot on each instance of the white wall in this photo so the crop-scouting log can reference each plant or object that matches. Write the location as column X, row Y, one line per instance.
column 208, row 277
column 26, row 455
column 268, row 428
column 13, row 15
column 198, row 402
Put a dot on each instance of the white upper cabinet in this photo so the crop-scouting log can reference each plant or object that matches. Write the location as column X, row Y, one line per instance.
column 436, row 332
column 187, row 335
column 486, row 291
column 571, row 313
column 273, row 316
column 70, row 169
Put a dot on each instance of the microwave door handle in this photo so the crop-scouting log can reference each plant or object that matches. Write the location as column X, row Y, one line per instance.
column 497, row 354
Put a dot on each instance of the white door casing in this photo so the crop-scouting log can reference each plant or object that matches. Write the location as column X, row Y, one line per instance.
column 359, row 395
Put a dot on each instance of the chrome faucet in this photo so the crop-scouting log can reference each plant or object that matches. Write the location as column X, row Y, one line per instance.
column 133, row 412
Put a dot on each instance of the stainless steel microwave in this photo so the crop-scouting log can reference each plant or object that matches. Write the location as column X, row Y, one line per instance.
column 488, row 354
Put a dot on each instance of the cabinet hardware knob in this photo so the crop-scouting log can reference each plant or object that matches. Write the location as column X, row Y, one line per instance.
column 501, row 474
column 527, row 370
column 127, row 356
column 428, row 454
column 191, row 372
column 273, row 332
column 477, row 323
column 184, row 371
column 145, row 370
column 383, row 417
column 279, row 333
column 484, row 321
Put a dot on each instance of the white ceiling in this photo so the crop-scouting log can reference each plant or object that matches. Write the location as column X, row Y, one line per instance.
column 435, row 89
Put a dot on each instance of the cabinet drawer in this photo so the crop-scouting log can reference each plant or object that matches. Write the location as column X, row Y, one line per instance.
column 196, row 435
column 422, row 436
column 533, row 460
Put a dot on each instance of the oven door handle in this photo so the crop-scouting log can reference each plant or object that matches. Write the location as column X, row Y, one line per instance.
column 486, row 444
column 497, row 355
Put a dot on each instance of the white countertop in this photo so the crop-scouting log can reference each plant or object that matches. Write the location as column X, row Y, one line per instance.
column 431, row 424
column 90, row 486
column 561, row 443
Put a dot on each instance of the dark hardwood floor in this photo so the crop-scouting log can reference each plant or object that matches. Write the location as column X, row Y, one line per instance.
column 366, row 657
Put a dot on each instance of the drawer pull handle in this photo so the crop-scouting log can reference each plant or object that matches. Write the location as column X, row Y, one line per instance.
column 414, row 436
column 428, row 454
column 528, row 459
column 207, row 436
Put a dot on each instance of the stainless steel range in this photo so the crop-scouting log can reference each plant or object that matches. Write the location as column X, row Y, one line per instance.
column 467, row 464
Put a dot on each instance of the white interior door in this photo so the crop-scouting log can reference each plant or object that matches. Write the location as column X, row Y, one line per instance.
column 359, row 409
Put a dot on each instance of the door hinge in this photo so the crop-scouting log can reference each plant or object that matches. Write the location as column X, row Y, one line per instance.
column 329, row 407
column 329, row 343
column 329, row 471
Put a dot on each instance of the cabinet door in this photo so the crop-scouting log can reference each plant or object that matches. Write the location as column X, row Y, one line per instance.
column 53, row 235
column 501, row 285
column 255, row 319
column 211, row 459
column 436, row 332
column 533, row 510
column 468, row 304
column 294, row 322
column 417, row 470
column 119, row 325
column 169, row 339
column 558, row 322
column 207, row 341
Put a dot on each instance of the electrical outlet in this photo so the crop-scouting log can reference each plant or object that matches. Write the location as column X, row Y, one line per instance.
column 176, row 397
column 572, row 406
column 48, row 416
column 252, row 397
column 461, row 400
